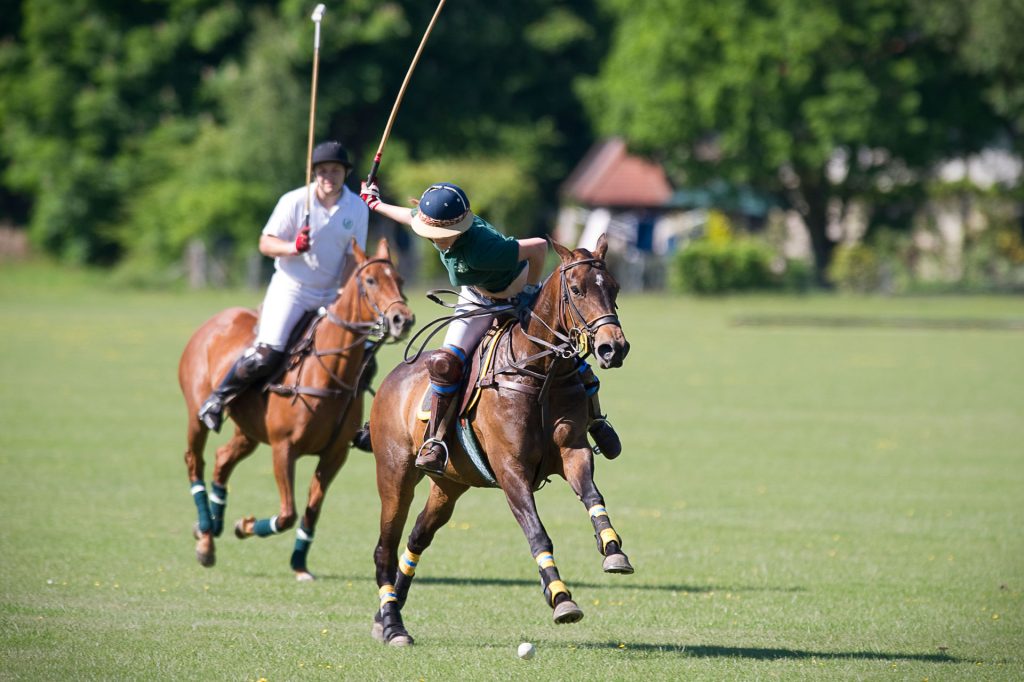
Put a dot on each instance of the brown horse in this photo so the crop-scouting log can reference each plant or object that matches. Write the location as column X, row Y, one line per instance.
column 314, row 408
column 531, row 421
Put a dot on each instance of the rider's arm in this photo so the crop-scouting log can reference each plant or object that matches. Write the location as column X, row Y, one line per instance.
column 273, row 247
column 534, row 251
column 400, row 214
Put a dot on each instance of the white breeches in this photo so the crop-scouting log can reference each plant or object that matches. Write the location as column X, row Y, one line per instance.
column 467, row 332
column 285, row 303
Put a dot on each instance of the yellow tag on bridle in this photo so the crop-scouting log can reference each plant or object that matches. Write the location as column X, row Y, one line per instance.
column 584, row 345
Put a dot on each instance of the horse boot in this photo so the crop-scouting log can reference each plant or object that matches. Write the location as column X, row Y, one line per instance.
column 606, row 441
column 445, row 367
column 255, row 363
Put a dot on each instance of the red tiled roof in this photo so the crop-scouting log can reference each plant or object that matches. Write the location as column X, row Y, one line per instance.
column 609, row 176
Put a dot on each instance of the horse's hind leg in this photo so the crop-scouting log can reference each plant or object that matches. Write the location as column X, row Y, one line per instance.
column 203, row 528
column 579, row 471
column 524, row 508
column 228, row 455
column 326, row 470
column 396, row 484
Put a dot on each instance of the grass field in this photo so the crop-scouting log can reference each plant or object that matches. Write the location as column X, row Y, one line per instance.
column 812, row 488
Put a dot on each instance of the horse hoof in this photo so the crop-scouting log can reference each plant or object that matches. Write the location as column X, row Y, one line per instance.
column 617, row 563
column 204, row 547
column 567, row 612
column 377, row 631
column 400, row 640
column 241, row 532
column 304, row 576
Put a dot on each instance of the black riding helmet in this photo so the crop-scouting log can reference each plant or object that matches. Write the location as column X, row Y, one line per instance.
column 331, row 151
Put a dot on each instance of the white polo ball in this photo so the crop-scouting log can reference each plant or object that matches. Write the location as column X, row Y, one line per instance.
column 526, row 651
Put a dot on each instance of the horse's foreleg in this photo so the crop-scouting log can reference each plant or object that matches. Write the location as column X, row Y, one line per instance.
column 326, row 470
column 203, row 528
column 228, row 455
column 578, row 464
column 284, row 473
column 524, row 508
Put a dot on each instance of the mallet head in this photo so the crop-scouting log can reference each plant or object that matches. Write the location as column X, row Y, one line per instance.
column 318, row 13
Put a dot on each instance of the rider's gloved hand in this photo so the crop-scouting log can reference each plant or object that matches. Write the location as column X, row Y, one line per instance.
column 302, row 242
column 527, row 297
column 370, row 194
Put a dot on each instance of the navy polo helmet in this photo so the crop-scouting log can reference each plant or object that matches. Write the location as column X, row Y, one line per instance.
column 443, row 212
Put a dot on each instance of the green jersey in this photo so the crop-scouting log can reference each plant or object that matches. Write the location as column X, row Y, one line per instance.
column 482, row 257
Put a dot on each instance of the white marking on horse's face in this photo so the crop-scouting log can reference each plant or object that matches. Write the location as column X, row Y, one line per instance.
column 600, row 280
column 387, row 271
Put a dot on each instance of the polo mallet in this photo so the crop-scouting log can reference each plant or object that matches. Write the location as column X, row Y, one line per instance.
column 317, row 17
column 401, row 92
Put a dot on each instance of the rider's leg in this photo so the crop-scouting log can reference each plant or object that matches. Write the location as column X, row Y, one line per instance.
column 362, row 438
column 445, row 367
column 284, row 304
column 255, row 363
column 605, row 439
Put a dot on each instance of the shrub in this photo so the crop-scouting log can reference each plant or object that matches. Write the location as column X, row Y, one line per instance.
column 855, row 268
column 707, row 267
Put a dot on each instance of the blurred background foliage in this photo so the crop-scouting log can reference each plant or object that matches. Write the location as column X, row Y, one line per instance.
column 130, row 129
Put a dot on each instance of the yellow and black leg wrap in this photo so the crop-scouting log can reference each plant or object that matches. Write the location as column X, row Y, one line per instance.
column 603, row 531
column 387, row 595
column 552, row 582
column 406, row 572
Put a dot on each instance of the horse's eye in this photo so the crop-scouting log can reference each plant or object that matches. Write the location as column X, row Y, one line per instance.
column 575, row 290
column 370, row 281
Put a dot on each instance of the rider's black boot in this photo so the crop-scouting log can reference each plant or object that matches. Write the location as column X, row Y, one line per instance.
column 255, row 363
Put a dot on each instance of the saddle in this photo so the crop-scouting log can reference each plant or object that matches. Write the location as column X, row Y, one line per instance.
column 481, row 363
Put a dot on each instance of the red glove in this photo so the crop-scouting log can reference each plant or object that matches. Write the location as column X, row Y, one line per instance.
column 370, row 194
column 302, row 241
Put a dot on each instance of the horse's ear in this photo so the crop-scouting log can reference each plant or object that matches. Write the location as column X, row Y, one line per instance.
column 602, row 247
column 359, row 253
column 563, row 253
column 382, row 249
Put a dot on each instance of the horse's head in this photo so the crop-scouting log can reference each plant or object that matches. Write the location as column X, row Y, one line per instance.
column 586, row 303
column 379, row 286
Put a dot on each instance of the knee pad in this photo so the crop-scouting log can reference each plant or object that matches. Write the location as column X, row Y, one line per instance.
column 258, row 361
column 445, row 365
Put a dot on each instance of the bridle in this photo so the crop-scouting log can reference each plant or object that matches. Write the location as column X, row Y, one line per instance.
column 377, row 328
column 581, row 331
column 375, row 332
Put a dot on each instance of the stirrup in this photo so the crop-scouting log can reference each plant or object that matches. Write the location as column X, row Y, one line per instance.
column 425, row 448
column 361, row 440
column 211, row 414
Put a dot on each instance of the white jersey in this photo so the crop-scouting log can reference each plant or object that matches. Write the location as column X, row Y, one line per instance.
column 331, row 232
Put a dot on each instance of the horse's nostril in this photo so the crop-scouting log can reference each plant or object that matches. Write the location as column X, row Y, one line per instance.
column 605, row 351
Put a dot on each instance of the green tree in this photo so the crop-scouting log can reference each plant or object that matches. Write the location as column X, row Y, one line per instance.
column 814, row 103
column 135, row 127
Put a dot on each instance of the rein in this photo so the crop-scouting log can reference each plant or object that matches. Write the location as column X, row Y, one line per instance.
column 376, row 331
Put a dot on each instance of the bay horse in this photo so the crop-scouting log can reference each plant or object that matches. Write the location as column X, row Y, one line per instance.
column 531, row 421
column 315, row 406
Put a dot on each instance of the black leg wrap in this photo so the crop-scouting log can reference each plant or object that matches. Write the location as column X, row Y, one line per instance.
column 391, row 620
column 402, row 585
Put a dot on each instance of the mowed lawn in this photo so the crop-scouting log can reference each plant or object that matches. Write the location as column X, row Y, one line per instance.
column 812, row 488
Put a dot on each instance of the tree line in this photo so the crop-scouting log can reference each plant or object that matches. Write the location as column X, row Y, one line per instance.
column 130, row 129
